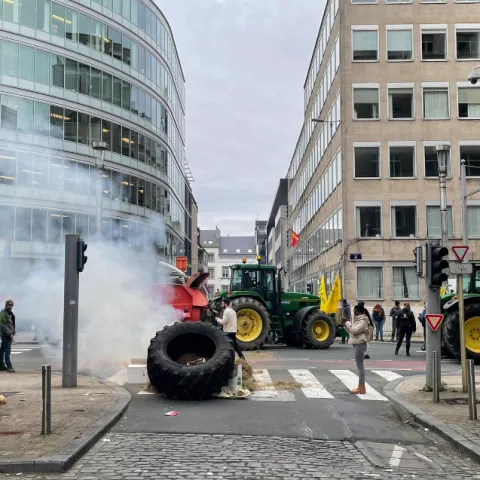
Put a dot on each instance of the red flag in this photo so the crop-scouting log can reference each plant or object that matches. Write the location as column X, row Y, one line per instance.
column 295, row 239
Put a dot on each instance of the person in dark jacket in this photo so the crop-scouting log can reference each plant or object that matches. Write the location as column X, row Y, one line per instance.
column 393, row 315
column 7, row 331
column 378, row 317
column 406, row 326
column 347, row 313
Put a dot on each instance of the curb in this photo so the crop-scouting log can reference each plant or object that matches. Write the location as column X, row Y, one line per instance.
column 70, row 453
column 461, row 442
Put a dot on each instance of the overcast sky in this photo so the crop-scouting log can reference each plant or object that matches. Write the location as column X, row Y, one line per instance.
column 245, row 63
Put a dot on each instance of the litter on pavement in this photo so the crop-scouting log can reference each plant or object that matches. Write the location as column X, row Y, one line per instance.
column 171, row 414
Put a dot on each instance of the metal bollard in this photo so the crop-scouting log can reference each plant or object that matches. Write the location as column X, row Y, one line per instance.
column 472, row 393
column 46, row 399
column 436, row 379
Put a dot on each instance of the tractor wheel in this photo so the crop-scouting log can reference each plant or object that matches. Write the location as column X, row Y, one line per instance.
column 253, row 323
column 318, row 330
column 451, row 332
column 175, row 346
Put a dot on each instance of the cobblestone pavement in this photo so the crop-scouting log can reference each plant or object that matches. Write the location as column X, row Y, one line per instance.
column 205, row 457
column 73, row 411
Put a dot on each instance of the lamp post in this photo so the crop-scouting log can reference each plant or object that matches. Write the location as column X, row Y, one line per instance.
column 99, row 149
column 442, row 156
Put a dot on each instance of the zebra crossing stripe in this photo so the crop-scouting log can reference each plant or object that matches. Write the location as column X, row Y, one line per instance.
column 265, row 384
column 387, row 374
column 310, row 386
column 350, row 380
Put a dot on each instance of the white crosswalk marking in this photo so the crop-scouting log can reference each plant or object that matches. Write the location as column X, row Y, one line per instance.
column 311, row 387
column 265, row 385
column 350, row 380
column 387, row 374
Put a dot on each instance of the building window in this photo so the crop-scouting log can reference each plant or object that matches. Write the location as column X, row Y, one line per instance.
column 399, row 45
column 400, row 103
column 365, row 45
column 434, row 44
column 469, row 102
column 369, row 283
column 369, row 221
column 404, row 221
column 405, row 283
column 402, row 161
column 431, row 162
column 435, row 103
column 225, row 272
column 434, row 224
column 473, row 221
column 471, row 155
column 211, row 258
column 467, row 45
column 365, row 103
column 367, row 162
column 211, row 273
column 224, row 288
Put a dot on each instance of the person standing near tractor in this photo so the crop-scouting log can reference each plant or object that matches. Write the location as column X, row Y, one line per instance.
column 347, row 313
column 378, row 317
column 393, row 316
column 7, row 331
column 406, row 326
column 229, row 324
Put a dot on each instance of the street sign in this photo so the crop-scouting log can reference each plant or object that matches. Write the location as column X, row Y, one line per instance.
column 461, row 268
column 434, row 320
column 355, row 256
column 460, row 251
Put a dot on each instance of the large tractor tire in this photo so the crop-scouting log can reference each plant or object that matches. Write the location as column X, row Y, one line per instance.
column 318, row 330
column 253, row 322
column 182, row 343
column 451, row 332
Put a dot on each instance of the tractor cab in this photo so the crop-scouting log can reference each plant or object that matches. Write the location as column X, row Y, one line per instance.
column 471, row 284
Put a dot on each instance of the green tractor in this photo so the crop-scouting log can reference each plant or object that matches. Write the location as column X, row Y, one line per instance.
column 264, row 310
column 451, row 328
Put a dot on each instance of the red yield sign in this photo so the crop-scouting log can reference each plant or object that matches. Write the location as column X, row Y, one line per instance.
column 434, row 320
column 460, row 251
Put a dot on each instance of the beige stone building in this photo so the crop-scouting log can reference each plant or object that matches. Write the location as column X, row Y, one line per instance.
column 388, row 80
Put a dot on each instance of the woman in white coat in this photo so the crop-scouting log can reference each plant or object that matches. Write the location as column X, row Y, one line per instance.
column 361, row 332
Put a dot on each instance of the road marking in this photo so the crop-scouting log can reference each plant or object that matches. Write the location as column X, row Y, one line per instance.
column 311, row 387
column 281, row 396
column 396, row 455
column 15, row 353
column 264, row 381
column 350, row 380
column 423, row 457
column 387, row 374
column 16, row 349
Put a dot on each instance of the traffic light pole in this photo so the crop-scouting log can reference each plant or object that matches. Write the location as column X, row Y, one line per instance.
column 461, row 320
column 70, row 312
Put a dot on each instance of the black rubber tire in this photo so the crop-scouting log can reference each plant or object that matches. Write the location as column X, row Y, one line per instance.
column 451, row 331
column 307, row 335
column 247, row 302
column 195, row 382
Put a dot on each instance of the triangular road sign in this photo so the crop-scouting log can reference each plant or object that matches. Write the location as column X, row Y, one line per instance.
column 434, row 320
column 460, row 251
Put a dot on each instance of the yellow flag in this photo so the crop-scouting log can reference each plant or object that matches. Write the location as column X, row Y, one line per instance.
column 334, row 297
column 443, row 290
column 322, row 292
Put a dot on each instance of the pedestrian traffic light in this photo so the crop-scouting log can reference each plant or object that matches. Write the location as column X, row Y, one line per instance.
column 437, row 265
column 418, row 254
column 81, row 257
column 309, row 288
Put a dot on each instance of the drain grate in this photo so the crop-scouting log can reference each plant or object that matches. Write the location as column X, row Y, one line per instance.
column 456, row 401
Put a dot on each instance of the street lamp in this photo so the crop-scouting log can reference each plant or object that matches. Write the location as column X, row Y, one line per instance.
column 443, row 151
column 99, row 149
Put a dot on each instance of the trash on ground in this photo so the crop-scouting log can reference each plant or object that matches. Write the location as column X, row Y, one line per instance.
column 86, row 394
column 3, row 400
column 105, row 439
column 171, row 414
column 239, row 392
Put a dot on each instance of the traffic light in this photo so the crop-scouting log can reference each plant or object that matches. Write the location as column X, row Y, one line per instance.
column 436, row 275
column 418, row 262
column 81, row 257
column 309, row 288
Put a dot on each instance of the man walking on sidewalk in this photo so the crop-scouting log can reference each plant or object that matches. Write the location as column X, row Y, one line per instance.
column 393, row 316
column 406, row 326
column 229, row 324
column 7, row 331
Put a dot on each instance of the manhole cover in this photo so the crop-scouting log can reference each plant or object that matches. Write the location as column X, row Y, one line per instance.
column 457, row 401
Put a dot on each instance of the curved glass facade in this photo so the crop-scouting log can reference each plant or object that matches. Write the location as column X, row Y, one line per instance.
column 74, row 73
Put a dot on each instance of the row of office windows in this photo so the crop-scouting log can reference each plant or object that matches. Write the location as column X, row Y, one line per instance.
column 40, row 66
column 403, row 160
column 322, row 93
column 331, row 178
column 75, row 26
column 329, row 15
column 28, row 116
column 396, row 2
column 39, row 171
column 326, row 131
column 399, row 42
column 326, row 236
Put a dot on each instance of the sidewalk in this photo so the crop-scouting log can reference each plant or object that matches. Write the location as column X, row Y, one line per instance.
column 79, row 417
column 448, row 418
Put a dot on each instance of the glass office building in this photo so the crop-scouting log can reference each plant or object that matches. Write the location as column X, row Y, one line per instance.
column 73, row 73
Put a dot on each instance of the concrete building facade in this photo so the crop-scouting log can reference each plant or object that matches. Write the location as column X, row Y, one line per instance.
column 388, row 82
